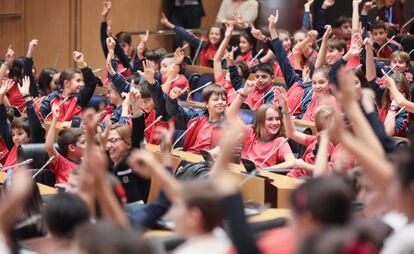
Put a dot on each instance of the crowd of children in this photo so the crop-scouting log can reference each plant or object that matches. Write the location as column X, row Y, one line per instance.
column 350, row 83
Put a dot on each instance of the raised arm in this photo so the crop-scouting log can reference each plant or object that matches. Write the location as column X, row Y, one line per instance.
column 355, row 16
column 180, row 31
column 398, row 96
column 307, row 16
column 218, row 57
column 138, row 118
column 234, row 108
column 89, row 78
column 9, row 57
column 28, row 66
column 51, row 133
column 5, row 131
column 371, row 73
column 290, row 129
column 322, row 156
column 104, row 25
column 320, row 60
column 321, row 21
column 37, row 133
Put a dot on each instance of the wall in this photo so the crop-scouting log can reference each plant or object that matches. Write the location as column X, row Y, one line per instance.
column 65, row 25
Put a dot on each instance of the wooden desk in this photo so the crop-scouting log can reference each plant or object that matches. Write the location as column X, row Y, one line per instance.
column 269, row 214
column 257, row 189
column 198, row 69
column 307, row 124
column 60, row 126
column 100, row 90
column 44, row 189
column 192, row 104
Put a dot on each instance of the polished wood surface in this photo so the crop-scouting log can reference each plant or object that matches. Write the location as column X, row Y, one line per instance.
column 307, row 124
column 268, row 214
column 44, row 189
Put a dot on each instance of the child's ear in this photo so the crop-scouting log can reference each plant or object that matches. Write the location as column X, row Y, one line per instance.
column 65, row 83
column 71, row 148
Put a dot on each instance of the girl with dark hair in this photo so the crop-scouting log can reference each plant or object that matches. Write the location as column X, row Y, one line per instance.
column 207, row 48
column 47, row 82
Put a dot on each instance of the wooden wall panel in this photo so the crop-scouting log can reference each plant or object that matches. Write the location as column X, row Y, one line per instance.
column 49, row 21
column 11, row 26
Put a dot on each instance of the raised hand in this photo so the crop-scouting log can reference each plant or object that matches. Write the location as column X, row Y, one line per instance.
column 165, row 22
column 143, row 163
column 149, row 71
column 280, row 93
column 144, row 38
column 78, row 57
column 368, row 6
column 4, row 89
column 106, row 8
column 229, row 56
column 140, row 50
column 257, row 34
column 346, row 93
column 249, row 87
column 110, row 43
column 312, row 35
column 175, row 93
column 165, row 136
column 25, row 86
column 356, row 47
column 91, row 120
column 308, row 5
column 32, row 44
column 328, row 4
column 55, row 111
column 356, row 2
column 229, row 29
column 328, row 32
column 178, row 56
column 273, row 19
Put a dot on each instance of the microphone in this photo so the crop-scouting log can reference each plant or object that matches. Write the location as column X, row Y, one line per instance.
column 256, row 56
column 304, row 98
column 261, row 98
column 407, row 23
column 396, row 114
column 199, row 88
column 97, row 70
column 29, row 221
column 28, row 161
column 182, row 135
column 184, row 47
column 197, row 52
column 156, row 121
column 44, row 166
column 60, row 104
column 385, row 44
column 273, row 151
column 411, row 52
column 387, row 73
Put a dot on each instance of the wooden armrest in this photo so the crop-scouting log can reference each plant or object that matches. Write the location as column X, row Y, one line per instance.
column 307, row 124
column 192, row 104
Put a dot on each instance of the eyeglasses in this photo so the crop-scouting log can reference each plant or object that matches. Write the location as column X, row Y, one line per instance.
column 113, row 140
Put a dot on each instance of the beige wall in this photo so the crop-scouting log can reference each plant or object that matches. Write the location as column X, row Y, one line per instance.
column 65, row 25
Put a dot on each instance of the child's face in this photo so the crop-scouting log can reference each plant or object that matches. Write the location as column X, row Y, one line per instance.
column 20, row 136
column 53, row 83
column 125, row 46
column 216, row 104
column 333, row 55
column 287, row 43
column 263, row 79
column 114, row 96
column 272, row 122
column 147, row 104
column 379, row 36
column 399, row 64
column 298, row 37
column 79, row 148
column 346, row 31
column 166, row 64
column 184, row 218
column 75, row 84
column 357, row 85
column 214, row 35
column 244, row 45
column 320, row 84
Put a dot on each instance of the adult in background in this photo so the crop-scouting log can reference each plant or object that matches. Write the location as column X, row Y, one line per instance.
column 391, row 11
column 185, row 13
column 248, row 10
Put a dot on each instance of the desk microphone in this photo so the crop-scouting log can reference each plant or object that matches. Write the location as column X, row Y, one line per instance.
column 273, row 151
column 304, row 98
column 182, row 135
column 156, row 121
column 199, row 88
column 44, row 166
column 407, row 23
column 197, row 52
column 60, row 104
column 264, row 95
column 256, row 56
column 28, row 161
column 385, row 44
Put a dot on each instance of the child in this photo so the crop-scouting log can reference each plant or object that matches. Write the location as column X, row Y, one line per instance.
column 379, row 35
column 71, row 143
column 72, row 99
column 263, row 82
column 22, row 130
column 206, row 124
column 265, row 139
column 207, row 48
